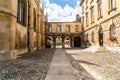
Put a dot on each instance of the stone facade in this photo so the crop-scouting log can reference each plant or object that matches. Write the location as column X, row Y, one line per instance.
column 21, row 27
column 101, row 22
column 66, row 34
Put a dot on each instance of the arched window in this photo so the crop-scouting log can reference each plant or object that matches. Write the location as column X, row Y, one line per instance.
column 21, row 12
column 112, row 30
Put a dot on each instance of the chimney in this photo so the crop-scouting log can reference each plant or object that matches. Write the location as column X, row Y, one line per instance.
column 78, row 18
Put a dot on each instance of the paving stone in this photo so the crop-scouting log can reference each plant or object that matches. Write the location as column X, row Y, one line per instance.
column 60, row 68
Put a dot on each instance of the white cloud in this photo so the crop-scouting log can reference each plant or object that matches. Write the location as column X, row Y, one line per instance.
column 58, row 14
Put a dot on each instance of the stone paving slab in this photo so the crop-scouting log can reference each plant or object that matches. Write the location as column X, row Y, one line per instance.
column 60, row 68
column 60, row 77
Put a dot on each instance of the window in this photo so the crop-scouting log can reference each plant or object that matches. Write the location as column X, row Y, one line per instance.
column 34, row 20
column 87, row 21
column 21, row 12
column 112, row 4
column 58, row 28
column 112, row 30
column 77, row 28
column 86, row 4
column 87, row 37
column 91, row 1
column 67, row 28
column 92, row 14
column 49, row 29
column 100, row 9
column 82, row 9
column 92, row 36
column 83, row 20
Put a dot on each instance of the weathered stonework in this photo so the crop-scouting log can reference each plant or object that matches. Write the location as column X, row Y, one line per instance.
column 19, row 31
column 66, row 39
column 101, row 21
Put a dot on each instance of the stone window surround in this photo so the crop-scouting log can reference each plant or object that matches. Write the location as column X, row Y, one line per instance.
column 58, row 28
column 87, row 19
column 49, row 28
column 100, row 13
column 34, row 22
column 109, row 6
column 112, row 30
column 77, row 28
column 67, row 28
column 92, row 36
column 21, row 12
column 86, row 4
column 92, row 14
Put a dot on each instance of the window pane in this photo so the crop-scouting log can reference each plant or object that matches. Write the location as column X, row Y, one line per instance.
column 58, row 28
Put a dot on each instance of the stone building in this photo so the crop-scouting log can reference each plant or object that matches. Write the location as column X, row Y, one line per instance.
column 101, row 22
column 63, row 34
column 21, row 27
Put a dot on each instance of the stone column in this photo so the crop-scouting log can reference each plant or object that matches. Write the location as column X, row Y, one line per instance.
column 38, row 30
column 46, row 37
column 71, row 41
column 63, row 37
column 30, row 28
column 54, row 41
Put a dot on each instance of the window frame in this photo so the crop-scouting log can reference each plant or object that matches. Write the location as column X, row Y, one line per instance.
column 92, row 14
column 112, row 30
column 100, row 10
column 77, row 28
column 59, row 28
column 67, row 28
column 21, row 12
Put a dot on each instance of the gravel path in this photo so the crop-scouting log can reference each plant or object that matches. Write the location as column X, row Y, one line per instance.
column 79, row 71
column 30, row 66
column 102, row 66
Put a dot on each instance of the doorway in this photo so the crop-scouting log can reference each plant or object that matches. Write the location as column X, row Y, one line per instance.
column 77, row 42
column 101, row 37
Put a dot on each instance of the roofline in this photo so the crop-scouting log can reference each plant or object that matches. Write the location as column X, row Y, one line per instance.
column 81, row 2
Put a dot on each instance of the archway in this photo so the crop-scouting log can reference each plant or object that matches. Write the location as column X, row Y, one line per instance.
column 49, row 43
column 67, row 41
column 100, row 37
column 58, row 42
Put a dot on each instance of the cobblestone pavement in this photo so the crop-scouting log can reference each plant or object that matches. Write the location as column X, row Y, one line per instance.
column 31, row 66
column 102, row 66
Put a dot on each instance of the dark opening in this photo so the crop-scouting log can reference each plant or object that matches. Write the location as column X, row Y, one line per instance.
column 101, row 37
column 77, row 42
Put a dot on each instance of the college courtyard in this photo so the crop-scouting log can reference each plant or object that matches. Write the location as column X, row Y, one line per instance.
column 62, row 64
column 32, row 48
